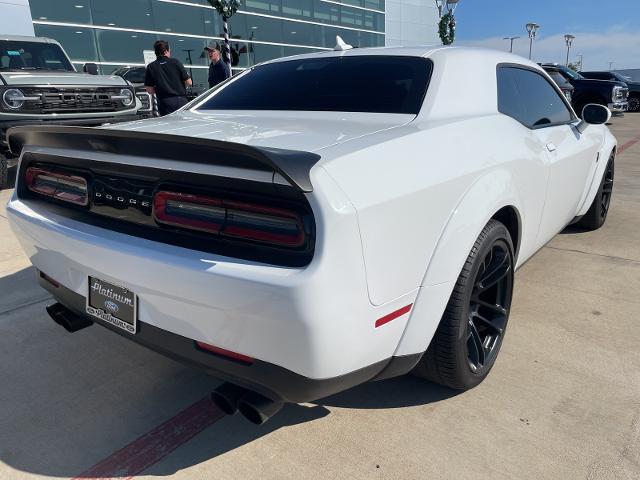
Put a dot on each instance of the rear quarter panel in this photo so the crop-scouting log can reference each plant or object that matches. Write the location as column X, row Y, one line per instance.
column 424, row 192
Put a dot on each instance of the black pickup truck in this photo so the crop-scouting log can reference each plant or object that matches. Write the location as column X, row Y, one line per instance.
column 634, row 87
column 612, row 94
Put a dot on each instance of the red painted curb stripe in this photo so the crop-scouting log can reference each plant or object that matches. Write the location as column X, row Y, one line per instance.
column 155, row 445
column 393, row 315
column 629, row 144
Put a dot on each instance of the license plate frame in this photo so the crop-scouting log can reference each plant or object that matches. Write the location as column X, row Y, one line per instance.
column 112, row 303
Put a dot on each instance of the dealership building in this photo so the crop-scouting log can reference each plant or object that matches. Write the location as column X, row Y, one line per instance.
column 114, row 33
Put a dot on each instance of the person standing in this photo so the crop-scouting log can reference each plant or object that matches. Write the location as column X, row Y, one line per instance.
column 167, row 78
column 218, row 70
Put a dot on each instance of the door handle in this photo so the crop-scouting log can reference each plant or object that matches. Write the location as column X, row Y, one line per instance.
column 551, row 147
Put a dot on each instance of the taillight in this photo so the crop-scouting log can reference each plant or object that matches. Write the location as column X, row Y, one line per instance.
column 232, row 219
column 65, row 187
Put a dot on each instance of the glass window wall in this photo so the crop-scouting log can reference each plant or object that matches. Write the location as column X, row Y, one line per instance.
column 79, row 43
column 188, row 28
column 70, row 11
column 136, row 14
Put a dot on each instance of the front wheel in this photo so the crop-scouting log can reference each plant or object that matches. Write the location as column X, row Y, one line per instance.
column 634, row 103
column 597, row 213
column 468, row 339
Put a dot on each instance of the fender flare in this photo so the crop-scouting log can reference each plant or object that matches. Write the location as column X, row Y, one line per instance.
column 476, row 207
column 593, row 188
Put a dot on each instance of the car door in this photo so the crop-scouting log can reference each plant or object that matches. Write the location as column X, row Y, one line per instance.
column 571, row 157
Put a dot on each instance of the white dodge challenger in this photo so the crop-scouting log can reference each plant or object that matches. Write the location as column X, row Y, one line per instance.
column 317, row 221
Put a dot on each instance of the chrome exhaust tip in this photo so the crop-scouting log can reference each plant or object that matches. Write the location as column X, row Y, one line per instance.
column 257, row 408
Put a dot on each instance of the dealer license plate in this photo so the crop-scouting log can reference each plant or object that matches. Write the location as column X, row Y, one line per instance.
column 113, row 304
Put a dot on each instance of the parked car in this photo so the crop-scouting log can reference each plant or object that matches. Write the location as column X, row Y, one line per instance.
column 135, row 76
column 634, row 87
column 567, row 89
column 611, row 94
column 297, row 233
column 39, row 85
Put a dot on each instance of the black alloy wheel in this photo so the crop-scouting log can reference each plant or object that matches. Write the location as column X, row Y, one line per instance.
column 470, row 333
column 634, row 104
column 607, row 190
column 599, row 209
column 489, row 307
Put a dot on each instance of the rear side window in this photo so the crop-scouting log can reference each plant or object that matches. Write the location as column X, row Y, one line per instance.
column 379, row 84
column 528, row 97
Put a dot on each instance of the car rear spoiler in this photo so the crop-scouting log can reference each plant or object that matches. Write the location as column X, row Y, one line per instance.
column 295, row 166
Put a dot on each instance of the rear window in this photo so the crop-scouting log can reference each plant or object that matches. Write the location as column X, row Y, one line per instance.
column 375, row 84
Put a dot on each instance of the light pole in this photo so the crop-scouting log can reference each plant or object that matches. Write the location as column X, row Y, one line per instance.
column 511, row 39
column 611, row 64
column 451, row 6
column 581, row 57
column 569, row 41
column 532, row 29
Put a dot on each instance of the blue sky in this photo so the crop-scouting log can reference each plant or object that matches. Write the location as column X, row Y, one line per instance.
column 605, row 30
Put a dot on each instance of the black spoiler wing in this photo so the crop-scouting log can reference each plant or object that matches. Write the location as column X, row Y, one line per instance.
column 295, row 166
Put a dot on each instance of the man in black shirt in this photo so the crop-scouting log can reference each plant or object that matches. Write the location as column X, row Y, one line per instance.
column 219, row 71
column 167, row 79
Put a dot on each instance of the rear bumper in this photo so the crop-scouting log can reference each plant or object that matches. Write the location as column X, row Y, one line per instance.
column 267, row 379
column 315, row 322
column 82, row 121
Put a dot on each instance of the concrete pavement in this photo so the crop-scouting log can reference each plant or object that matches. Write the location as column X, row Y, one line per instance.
column 562, row 402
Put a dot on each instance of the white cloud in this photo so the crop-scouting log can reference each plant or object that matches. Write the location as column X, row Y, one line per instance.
column 598, row 49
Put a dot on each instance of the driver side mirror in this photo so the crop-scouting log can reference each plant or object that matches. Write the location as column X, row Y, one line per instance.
column 90, row 68
column 594, row 114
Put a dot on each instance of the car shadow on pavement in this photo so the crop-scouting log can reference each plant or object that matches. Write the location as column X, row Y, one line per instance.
column 405, row 391
column 574, row 229
column 71, row 400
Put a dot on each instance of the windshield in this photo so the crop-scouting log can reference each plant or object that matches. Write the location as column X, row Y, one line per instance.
column 571, row 73
column 20, row 55
column 377, row 84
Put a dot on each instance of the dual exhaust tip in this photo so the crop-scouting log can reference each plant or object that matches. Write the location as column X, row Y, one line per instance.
column 256, row 408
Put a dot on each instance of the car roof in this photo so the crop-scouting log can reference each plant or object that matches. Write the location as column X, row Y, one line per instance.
column 424, row 51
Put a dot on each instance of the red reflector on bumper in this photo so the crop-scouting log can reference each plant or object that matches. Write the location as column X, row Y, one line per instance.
column 393, row 315
column 225, row 353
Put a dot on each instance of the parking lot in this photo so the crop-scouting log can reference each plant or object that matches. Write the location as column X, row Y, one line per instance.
column 562, row 402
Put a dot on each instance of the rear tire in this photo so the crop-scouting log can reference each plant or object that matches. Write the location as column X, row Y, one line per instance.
column 468, row 339
column 597, row 213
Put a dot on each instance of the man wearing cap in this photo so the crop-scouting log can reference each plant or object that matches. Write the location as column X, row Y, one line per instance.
column 219, row 71
column 167, row 78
